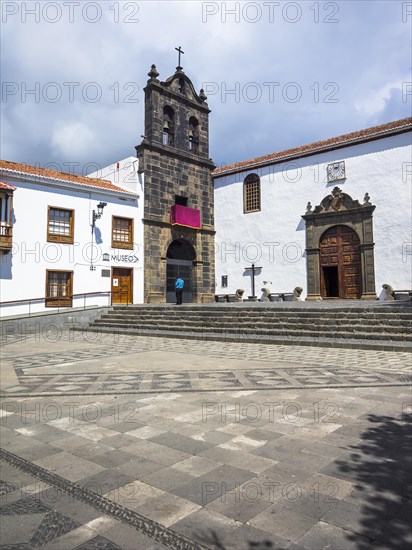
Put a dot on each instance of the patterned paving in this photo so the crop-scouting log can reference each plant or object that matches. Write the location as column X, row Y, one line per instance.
column 61, row 372
column 184, row 381
column 47, row 526
column 111, row 346
column 54, row 524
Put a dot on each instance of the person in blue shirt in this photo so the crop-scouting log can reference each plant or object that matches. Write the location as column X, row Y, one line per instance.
column 179, row 284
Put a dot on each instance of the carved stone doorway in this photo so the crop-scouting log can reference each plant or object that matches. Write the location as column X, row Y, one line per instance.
column 340, row 248
column 340, row 263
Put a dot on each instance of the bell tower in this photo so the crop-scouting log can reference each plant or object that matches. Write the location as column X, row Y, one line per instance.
column 178, row 206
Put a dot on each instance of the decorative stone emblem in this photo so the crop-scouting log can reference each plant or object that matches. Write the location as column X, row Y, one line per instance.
column 336, row 171
column 336, row 198
column 338, row 201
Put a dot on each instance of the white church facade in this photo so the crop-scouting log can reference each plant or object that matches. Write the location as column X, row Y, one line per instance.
column 69, row 241
column 332, row 217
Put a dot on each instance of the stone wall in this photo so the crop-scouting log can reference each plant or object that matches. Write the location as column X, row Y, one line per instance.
column 176, row 170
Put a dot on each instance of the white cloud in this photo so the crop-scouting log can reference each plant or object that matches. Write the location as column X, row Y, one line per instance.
column 74, row 140
column 375, row 101
column 365, row 62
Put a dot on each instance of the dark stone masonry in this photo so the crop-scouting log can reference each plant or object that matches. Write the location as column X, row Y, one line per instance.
column 174, row 157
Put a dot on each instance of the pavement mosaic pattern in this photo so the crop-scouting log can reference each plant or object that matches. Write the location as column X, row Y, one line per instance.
column 150, row 443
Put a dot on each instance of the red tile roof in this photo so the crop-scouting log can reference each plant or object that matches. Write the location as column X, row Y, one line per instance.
column 368, row 134
column 6, row 186
column 7, row 166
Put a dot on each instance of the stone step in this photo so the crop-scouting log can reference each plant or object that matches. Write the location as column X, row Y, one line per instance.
column 259, row 310
column 220, row 324
column 381, row 326
column 178, row 312
column 382, row 321
column 257, row 331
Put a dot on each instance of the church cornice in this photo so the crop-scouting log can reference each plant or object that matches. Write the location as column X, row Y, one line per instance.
column 347, row 140
column 175, row 153
column 159, row 87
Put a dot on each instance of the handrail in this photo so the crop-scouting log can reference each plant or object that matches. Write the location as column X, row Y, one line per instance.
column 48, row 297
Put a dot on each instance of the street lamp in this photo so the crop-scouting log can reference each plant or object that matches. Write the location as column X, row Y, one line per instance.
column 96, row 216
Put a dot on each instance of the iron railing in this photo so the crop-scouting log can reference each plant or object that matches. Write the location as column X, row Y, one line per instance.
column 33, row 301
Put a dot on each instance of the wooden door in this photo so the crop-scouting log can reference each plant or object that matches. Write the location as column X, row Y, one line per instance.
column 122, row 286
column 340, row 263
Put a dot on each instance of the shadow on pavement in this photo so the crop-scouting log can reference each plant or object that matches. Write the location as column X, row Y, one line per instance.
column 381, row 464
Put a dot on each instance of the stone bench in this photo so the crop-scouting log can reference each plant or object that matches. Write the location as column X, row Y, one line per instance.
column 221, row 298
column 281, row 296
column 405, row 295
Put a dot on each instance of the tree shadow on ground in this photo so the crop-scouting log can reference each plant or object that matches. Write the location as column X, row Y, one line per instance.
column 381, row 465
column 214, row 542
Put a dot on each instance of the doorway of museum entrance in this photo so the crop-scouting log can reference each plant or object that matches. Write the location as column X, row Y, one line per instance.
column 122, row 285
column 340, row 263
column 180, row 256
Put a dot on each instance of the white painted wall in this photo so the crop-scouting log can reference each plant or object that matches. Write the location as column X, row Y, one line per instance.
column 274, row 238
column 23, row 272
column 125, row 175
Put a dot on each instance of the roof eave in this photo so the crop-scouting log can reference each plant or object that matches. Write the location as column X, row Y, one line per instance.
column 65, row 184
column 316, row 150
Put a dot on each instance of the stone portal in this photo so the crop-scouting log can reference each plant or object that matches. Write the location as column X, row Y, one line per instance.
column 340, row 248
column 180, row 262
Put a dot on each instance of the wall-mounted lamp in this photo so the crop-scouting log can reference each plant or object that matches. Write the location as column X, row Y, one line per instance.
column 96, row 216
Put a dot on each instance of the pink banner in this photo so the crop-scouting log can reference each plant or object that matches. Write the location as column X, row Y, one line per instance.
column 182, row 215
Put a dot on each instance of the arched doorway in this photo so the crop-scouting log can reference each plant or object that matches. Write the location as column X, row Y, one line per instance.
column 353, row 258
column 340, row 263
column 180, row 257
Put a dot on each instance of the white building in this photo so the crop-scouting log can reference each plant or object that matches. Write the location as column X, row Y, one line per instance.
column 333, row 217
column 67, row 240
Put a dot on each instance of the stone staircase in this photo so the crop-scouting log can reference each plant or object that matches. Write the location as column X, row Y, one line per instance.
column 365, row 325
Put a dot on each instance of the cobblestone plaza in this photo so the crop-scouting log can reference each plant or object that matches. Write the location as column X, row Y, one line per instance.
column 134, row 442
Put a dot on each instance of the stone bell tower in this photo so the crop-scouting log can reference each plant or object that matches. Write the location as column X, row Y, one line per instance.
column 178, row 206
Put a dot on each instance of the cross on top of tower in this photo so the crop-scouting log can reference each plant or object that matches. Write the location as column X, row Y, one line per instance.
column 180, row 51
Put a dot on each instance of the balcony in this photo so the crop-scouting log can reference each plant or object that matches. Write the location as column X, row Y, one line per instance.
column 182, row 215
column 6, row 238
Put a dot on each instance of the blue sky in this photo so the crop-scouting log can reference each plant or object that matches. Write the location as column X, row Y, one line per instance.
column 277, row 74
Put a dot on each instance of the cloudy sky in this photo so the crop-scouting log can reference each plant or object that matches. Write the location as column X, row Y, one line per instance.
column 277, row 74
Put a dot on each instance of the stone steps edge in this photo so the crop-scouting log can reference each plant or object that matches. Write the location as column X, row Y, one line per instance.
column 381, row 329
column 251, row 332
